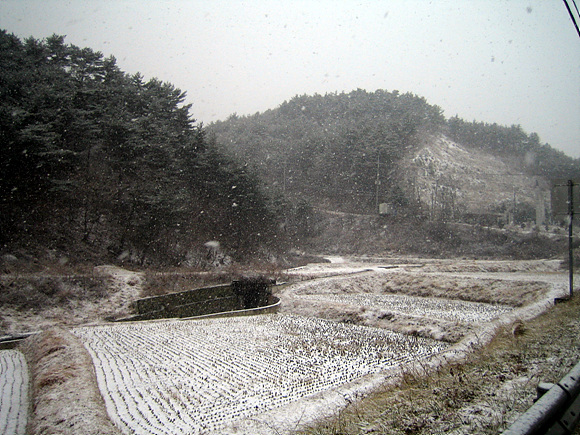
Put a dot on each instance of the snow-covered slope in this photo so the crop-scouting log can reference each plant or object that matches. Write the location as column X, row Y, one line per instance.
column 444, row 175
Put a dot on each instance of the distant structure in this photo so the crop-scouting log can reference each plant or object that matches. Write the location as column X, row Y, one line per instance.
column 385, row 209
column 540, row 205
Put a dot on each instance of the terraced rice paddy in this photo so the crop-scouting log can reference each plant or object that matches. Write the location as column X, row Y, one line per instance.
column 13, row 392
column 197, row 376
column 444, row 309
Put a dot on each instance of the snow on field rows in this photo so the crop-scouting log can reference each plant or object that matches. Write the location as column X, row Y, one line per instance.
column 197, row 376
column 444, row 309
column 13, row 392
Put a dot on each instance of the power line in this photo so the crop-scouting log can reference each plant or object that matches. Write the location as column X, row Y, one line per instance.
column 572, row 17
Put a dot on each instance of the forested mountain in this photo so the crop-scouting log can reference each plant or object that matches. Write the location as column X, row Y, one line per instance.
column 351, row 151
column 104, row 164
column 100, row 165
column 326, row 148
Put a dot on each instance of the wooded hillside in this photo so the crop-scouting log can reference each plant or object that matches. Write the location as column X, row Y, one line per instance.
column 344, row 151
column 98, row 165
column 326, row 148
column 101, row 164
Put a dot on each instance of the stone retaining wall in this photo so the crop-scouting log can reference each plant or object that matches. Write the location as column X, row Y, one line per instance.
column 203, row 301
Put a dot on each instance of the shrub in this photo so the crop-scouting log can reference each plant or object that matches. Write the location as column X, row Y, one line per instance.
column 254, row 291
column 36, row 293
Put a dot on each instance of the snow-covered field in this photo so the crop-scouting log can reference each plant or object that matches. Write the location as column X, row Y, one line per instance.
column 248, row 374
column 13, row 392
column 198, row 376
column 444, row 309
column 268, row 374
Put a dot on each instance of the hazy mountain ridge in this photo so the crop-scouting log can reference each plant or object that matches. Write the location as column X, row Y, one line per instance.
column 101, row 165
column 350, row 152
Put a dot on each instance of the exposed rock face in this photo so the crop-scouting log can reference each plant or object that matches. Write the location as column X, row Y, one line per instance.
column 447, row 178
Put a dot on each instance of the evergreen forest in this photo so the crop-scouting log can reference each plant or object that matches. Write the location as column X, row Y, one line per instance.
column 343, row 150
column 100, row 164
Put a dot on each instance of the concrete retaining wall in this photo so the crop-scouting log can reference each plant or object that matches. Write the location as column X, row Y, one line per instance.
column 188, row 303
column 199, row 302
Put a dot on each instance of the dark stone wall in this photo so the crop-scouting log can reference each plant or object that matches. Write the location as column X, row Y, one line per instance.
column 240, row 295
column 189, row 303
column 188, row 297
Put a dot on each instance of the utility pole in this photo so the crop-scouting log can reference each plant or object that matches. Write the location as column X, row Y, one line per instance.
column 571, row 236
column 566, row 203
column 378, row 182
column 514, row 208
column 284, row 179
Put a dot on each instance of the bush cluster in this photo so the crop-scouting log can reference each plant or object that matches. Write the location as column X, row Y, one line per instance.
column 37, row 293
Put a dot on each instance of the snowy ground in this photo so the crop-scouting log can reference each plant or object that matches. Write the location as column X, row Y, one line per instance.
column 434, row 308
column 199, row 376
column 123, row 288
column 337, row 337
column 13, row 393
column 268, row 374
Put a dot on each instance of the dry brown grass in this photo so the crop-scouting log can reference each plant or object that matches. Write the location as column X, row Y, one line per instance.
column 482, row 395
column 25, row 264
column 38, row 292
column 493, row 291
column 64, row 392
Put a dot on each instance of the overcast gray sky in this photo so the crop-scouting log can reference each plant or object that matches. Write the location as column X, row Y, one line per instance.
column 510, row 62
